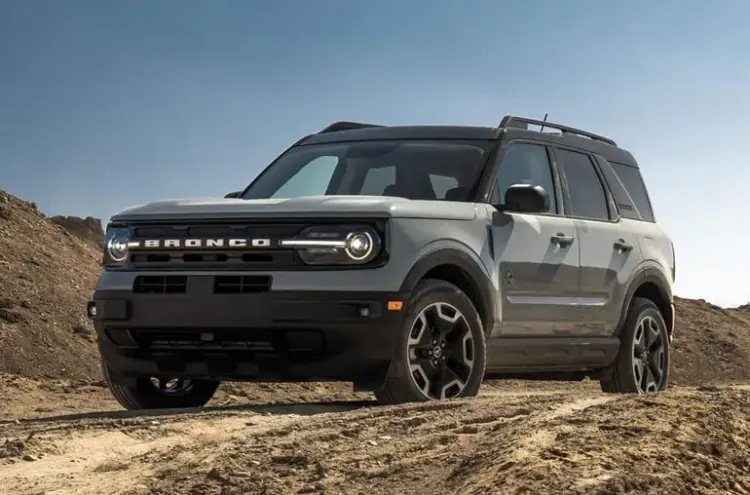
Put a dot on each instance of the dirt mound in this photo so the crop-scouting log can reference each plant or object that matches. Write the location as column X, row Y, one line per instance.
column 46, row 274
column 88, row 229
column 711, row 345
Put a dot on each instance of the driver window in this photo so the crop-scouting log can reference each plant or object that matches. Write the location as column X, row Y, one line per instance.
column 525, row 163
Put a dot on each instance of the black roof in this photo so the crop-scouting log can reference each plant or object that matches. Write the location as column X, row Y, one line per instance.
column 404, row 132
column 510, row 128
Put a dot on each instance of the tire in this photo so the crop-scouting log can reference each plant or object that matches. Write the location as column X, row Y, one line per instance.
column 644, row 329
column 460, row 350
column 145, row 394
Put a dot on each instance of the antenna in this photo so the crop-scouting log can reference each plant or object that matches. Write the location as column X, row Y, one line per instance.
column 541, row 128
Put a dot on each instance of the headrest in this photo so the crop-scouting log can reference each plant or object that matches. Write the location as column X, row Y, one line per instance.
column 459, row 193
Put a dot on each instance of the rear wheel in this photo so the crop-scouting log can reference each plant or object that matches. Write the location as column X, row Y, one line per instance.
column 642, row 364
column 441, row 351
column 161, row 393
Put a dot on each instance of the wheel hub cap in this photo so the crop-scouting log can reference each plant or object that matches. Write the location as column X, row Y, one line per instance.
column 441, row 351
column 649, row 356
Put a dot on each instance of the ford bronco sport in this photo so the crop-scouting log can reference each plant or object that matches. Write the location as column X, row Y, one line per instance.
column 411, row 261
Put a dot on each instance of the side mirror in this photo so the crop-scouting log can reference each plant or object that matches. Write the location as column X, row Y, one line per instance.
column 234, row 194
column 526, row 198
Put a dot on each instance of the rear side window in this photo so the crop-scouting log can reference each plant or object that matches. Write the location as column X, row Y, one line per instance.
column 631, row 179
column 587, row 196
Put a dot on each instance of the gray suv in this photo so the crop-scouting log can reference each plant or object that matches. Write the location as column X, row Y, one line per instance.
column 411, row 261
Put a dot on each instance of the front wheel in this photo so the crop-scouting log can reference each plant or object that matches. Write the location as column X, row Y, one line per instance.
column 441, row 350
column 642, row 364
column 161, row 393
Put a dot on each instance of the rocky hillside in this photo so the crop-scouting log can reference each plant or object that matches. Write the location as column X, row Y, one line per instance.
column 46, row 275
column 48, row 268
column 88, row 229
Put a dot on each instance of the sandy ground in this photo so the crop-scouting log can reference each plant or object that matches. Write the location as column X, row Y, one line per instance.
column 67, row 437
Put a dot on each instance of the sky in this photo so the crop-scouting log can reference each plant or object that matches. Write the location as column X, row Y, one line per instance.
column 104, row 104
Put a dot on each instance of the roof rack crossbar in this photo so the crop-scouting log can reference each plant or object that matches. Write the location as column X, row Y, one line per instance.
column 513, row 121
column 346, row 126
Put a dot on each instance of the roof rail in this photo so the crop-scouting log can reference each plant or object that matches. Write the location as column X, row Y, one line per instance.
column 523, row 122
column 346, row 126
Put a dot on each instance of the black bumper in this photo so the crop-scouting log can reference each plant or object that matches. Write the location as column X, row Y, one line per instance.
column 270, row 336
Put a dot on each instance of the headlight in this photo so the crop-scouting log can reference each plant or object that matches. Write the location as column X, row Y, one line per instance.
column 336, row 245
column 116, row 247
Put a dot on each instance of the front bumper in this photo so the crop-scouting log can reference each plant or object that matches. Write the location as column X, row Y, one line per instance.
column 268, row 336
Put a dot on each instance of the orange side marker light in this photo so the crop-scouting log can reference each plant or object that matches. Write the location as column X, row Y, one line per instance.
column 395, row 305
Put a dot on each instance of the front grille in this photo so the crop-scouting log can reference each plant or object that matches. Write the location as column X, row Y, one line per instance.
column 150, row 284
column 252, row 258
column 262, row 260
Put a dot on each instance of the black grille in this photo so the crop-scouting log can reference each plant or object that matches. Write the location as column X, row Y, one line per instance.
column 235, row 259
column 160, row 284
column 241, row 284
column 216, row 259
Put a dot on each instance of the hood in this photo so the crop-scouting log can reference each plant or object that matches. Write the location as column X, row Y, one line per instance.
column 310, row 206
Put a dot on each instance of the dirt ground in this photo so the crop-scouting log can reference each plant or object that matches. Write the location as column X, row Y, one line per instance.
column 65, row 437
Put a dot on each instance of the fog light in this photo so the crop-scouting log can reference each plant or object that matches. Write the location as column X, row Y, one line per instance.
column 92, row 309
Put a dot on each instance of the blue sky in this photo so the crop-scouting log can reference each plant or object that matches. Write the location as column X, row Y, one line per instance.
column 107, row 104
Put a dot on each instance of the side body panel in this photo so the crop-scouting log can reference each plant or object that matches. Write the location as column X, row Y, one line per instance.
column 539, row 278
column 610, row 256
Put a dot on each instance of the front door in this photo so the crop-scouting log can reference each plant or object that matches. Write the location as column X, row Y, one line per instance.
column 538, row 254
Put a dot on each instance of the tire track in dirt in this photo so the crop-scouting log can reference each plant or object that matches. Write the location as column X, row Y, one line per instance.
column 105, row 459
column 685, row 440
column 104, row 452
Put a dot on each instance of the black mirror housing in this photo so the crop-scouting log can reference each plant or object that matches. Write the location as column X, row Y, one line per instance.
column 233, row 194
column 526, row 198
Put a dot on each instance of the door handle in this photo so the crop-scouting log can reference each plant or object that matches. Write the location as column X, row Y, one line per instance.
column 623, row 246
column 561, row 240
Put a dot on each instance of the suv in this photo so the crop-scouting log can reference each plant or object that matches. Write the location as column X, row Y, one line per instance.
column 411, row 261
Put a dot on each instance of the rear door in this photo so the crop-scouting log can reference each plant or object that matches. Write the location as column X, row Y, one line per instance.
column 538, row 254
column 609, row 251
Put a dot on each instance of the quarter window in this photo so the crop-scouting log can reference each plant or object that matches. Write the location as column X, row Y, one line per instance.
column 633, row 182
column 587, row 196
column 525, row 163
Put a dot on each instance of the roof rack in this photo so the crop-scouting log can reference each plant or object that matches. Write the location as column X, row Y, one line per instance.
column 522, row 123
column 346, row 126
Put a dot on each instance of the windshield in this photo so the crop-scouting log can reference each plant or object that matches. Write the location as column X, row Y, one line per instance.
column 432, row 170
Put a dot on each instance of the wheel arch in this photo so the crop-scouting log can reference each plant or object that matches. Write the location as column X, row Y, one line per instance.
column 650, row 283
column 460, row 269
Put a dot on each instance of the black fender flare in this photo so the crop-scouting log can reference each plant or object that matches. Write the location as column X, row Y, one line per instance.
column 648, row 274
column 481, row 285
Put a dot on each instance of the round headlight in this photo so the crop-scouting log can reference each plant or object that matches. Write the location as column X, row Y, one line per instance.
column 359, row 245
column 117, row 248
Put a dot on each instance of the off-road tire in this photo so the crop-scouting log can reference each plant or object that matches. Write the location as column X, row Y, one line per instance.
column 143, row 395
column 400, row 386
column 623, row 379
